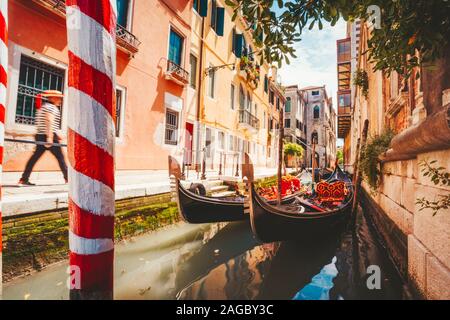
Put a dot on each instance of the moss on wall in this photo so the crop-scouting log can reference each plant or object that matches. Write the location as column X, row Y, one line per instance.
column 32, row 242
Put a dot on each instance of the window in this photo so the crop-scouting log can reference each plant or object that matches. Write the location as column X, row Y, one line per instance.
column 35, row 77
column 278, row 103
column 232, row 96
column 256, row 110
column 213, row 13
column 344, row 100
column 201, row 7
column 122, row 12
column 287, row 123
column 221, row 140
column 264, row 120
column 230, row 143
column 266, row 84
column 175, row 47
column 120, row 105
column 208, row 141
column 241, row 98
column 171, row 127
column 193, row 73
column 315, row 93
column 288, row 105
column 316, row 112
column 249, row 103
column 315, row 137
column 212, row 81
column 271, row 97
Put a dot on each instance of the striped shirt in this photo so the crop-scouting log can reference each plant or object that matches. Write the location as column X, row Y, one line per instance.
column 41, row 121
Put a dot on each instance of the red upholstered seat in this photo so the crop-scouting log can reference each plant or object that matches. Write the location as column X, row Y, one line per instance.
column 333, row 191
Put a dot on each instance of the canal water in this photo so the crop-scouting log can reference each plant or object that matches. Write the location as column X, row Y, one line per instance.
column 225, row 261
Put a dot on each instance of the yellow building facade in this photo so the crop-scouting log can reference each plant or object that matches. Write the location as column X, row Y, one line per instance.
column 229, row 95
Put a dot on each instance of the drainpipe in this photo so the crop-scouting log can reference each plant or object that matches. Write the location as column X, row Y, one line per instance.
column 199, row 100
column 91, row 138
column 3, row 84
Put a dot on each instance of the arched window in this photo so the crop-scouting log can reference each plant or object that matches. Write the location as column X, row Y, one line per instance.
column 316, row 112
column 287, row 106
column 241, row 98
column 315, row 137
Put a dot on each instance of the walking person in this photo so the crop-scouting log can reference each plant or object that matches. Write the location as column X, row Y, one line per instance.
column 48, row 118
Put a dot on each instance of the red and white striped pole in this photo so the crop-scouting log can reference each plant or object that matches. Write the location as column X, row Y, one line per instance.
column 3, row 84
column 91, row 31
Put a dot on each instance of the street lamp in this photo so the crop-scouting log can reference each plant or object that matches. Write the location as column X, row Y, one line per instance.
column 215, row 68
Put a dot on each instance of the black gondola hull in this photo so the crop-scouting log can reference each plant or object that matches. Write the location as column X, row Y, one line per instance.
column 269, row 227
column 274, row 223
column 198, row 209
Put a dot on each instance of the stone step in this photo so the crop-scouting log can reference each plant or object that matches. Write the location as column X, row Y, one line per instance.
column 223, row 194
column 221, row 188
column 215, row 183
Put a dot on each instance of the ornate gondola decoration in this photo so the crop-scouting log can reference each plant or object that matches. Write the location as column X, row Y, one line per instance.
column 320, row 215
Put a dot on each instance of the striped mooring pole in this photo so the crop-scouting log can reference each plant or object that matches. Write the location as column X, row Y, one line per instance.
column 91, row 31
column 3, row 85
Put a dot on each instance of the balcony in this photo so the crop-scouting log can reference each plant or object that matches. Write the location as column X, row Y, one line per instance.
column 176, row 73
column 248, row 121
column 126, row 41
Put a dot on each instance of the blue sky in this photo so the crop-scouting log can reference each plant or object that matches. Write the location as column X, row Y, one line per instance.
column 316, row 59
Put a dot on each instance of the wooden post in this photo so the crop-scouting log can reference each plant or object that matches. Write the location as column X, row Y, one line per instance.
column 358, row 178
column 203, row 177
column 280, row 155
column 91, row 33
column 220, row 163
column 313, row 162
column 237, row 165
column 3, row 85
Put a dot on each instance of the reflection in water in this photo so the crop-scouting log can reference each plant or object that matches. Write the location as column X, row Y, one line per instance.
column 321, row 284
column 310, row 270
column 224, row 261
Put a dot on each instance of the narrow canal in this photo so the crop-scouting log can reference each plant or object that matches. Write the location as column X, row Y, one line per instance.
column 224, row 261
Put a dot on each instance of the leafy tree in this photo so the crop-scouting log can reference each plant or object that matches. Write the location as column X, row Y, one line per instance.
column 407, row 27
column 340, row 156
column 293, row 150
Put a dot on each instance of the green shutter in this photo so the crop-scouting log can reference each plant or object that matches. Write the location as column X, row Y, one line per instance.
column 266, row 84
column 203, row 10
column 220, row 20
column 239, row 38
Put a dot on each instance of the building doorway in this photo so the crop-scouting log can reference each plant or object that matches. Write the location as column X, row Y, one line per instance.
column 188, row 144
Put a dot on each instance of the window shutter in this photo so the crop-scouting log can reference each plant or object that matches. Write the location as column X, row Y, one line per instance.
column 203, row 10
column 238, row 41
column 266, row 83
column 220, row 19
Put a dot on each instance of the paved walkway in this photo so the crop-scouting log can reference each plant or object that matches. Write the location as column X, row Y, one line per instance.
column 50, row 192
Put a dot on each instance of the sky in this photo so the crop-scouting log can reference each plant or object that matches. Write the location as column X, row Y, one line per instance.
column 316, row 59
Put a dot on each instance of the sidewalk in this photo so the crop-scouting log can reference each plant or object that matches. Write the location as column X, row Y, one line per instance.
column 50, row 192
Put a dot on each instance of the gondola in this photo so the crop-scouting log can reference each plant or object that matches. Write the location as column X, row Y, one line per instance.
column 301, row 219
column 195, row 208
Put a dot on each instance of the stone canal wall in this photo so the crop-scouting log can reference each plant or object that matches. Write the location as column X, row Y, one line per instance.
column 418, row 241
column 33, row 241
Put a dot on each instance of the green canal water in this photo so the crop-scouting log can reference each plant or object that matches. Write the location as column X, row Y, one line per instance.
column 225, row 261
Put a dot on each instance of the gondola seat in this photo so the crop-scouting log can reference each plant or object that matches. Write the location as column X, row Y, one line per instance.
column 331, row 192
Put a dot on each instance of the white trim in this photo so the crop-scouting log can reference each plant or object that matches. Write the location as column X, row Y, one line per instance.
column 94, row 196
column 84, row 246
column 120, row 138
column 15, row 52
